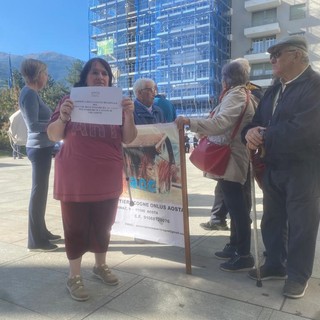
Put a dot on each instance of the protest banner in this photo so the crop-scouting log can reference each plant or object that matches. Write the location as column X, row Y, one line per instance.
column 154, row 204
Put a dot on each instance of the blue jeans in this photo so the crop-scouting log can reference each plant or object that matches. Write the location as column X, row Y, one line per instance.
column 41, row 164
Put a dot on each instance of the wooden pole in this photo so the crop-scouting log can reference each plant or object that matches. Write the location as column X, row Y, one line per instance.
column 185, row 205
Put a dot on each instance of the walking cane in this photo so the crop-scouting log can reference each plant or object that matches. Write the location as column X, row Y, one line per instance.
column 255, row 233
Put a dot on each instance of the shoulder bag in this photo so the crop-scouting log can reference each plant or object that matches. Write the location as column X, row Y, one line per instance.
column 214, row 158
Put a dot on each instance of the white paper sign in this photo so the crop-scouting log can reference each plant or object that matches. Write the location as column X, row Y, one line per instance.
column 97, row 105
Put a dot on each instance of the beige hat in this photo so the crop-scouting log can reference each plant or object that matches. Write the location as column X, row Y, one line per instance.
column 295, row 41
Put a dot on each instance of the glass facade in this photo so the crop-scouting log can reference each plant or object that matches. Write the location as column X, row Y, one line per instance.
column 181, row 44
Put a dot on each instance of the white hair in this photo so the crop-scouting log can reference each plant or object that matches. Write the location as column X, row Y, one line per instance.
column 140, row 84
column 245, row 64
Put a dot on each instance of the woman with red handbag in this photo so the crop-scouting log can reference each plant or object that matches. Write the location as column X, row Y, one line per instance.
column 222, row 131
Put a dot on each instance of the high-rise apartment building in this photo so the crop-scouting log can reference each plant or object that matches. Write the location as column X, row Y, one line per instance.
column 257, row 24
column 181, row 44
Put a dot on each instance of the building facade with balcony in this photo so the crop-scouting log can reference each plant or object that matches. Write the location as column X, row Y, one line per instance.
column 257, row 24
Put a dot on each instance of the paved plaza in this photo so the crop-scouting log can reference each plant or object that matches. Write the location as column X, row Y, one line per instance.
column 153, row 279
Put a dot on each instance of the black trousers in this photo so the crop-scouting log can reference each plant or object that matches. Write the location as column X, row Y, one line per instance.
column 291, row 218
column 41, row 165
column 234, row 196
column 219, row 210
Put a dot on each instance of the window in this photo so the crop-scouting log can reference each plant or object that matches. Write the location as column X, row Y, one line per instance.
column 189, row 72
column 261, row 71
column 202, row 37
column 202, row 70
column 262, row 44
column 264, row 17
column 298, row 11
column 130, row 67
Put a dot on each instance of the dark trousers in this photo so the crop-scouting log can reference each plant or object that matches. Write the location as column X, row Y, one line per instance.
column 41, row 164
column 291, row 219
column 219, row 210
column 234, row 196
column 16, row 151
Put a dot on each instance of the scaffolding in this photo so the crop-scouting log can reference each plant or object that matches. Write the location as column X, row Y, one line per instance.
column 181, row 44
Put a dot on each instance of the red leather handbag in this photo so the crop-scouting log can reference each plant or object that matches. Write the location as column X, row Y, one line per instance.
column 214, row 158
column 210, row 157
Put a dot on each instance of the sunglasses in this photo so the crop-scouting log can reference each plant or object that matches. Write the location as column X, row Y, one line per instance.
column 277, row 54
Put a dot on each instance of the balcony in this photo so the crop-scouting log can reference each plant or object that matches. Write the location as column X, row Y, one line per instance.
column 258, row 5
column 263, row 30
column 257, row 57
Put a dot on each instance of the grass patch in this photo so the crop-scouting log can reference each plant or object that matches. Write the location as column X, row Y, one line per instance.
column 5, row 153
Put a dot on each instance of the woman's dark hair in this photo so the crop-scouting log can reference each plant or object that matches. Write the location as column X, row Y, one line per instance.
column 84, row 73
column 234, row 74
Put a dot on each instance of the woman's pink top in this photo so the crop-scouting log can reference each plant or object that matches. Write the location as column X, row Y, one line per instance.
column 89, row 166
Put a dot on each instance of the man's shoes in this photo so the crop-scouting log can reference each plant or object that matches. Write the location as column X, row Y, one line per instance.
column 53, row 237
column 76, row 289
column 294, row 290
column 227, row 253
column 45, row 248
column 238, row 263
column 105, row 274
column 214, row 225
column 268, row 273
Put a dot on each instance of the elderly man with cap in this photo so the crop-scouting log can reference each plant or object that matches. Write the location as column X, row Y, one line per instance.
column 286, row 123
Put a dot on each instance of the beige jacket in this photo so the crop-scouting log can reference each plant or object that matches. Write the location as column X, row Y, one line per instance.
column 219, row 129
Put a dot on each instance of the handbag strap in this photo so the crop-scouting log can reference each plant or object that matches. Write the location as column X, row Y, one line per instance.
column 236, row 128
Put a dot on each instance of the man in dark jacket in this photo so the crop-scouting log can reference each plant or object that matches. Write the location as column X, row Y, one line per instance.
column 286, row 124
column 145, row 111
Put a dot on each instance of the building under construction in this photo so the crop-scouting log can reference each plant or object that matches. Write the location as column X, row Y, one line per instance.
column 181, row 44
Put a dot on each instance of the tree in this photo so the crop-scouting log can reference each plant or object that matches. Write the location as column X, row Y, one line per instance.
column 74, row 72
column 8, row 105
column 53, row 92
column 17, row 79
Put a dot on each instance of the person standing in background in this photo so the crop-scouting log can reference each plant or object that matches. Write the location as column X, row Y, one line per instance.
column 219, row 211
column 36, row 115
column 168, row 109
column 17, row 133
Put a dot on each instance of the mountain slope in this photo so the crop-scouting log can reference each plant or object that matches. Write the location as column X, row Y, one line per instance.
column 58, row 64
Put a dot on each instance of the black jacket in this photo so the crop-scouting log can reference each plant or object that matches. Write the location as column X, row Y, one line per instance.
column 293, row 131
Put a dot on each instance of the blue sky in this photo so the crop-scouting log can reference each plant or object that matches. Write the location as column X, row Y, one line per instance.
column 34, row 26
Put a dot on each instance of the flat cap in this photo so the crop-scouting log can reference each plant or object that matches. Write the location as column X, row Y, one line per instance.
column 295, row 41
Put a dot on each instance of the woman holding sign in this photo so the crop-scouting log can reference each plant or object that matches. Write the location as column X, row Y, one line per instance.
column 88, row 178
